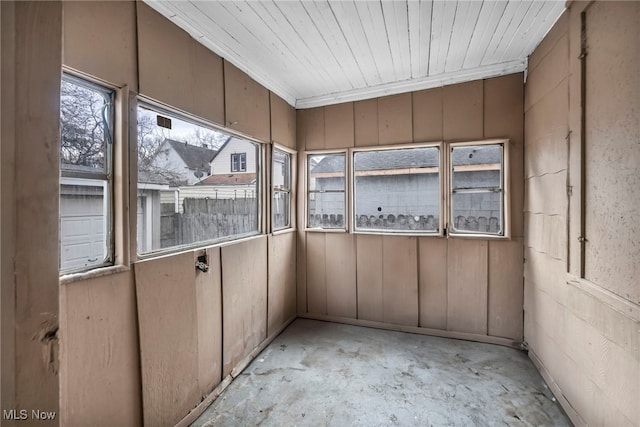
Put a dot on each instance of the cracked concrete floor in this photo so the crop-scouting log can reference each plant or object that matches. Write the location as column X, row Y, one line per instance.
column 319, row 373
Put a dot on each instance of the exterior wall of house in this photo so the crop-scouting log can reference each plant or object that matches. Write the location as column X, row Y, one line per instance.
column 582, row 309
column 170, row 161
column 111, row 336
column 222, row 162
column 460, row 287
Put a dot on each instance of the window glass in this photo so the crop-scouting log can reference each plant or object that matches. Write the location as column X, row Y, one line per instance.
column 86, row 122
column 397, row 190
column 281, row 203
column 195, row 184
column 326, row 190
column 477, row 196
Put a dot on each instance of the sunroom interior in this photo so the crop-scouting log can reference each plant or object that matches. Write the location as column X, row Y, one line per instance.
column 144, row 267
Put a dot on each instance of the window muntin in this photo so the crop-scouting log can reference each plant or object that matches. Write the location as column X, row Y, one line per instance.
column 326, row 182
column 239, row 162
column 397, row 190
column 86, row 223
column 477, row 189
column 281, row 181
column 188, row 192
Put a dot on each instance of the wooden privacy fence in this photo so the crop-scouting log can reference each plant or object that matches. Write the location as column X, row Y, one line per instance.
column 406, row 222
column 207, row 219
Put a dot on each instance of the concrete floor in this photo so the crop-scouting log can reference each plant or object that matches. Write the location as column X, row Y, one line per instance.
column 320, row 373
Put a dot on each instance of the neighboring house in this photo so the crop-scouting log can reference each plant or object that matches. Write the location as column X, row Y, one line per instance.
column 183, row 163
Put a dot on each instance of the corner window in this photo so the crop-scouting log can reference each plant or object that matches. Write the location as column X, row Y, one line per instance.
column 86, row 172
column 281, row 180
column 189, row 191
column 477, row 193
column 397, row 190
column 326, row 178
column 239, row 162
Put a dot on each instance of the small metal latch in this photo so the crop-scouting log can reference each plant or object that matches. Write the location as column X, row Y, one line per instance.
column 582, row 239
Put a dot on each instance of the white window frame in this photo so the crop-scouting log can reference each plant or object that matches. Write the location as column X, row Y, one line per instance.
column 441, row 218
column 91, row 178
column 505, row 211
column 260, row 189
column 289, row 190
column 238, row 162
column 347, row 184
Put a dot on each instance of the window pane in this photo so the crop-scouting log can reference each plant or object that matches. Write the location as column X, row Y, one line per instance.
column 397, row 189
column 193, row 183
column 481, row 212
column 83, row 223
column 84, row 116
column 281, row 204
column 476, row 166
column 326, row 181
column 86, row 113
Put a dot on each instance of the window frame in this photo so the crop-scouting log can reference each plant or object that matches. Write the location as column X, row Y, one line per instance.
column 106, row 176
column 289, row 191
column 173, row 112
column 347, row 184
column 505, row 202
column 242, row 162
column 441, row 187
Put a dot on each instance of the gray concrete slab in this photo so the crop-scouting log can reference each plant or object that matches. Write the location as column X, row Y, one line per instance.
column 319, row 373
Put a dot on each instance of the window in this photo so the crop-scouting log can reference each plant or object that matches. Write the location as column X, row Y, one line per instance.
column 397, row 190
column 239, row 162
column 86, row 123
column 326, row 190
column 188, row 193
column 281, row 202
column 477, row 193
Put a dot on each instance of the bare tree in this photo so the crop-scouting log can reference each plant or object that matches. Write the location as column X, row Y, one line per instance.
column 84, row 117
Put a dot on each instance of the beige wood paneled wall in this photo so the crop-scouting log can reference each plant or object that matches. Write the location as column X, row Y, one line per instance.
column 432, row 284
column 148, row 343
column 584, row 332
column 31, row 34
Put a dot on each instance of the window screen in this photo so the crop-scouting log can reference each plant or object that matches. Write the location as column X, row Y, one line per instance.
column 326, row 190
column 281, row 203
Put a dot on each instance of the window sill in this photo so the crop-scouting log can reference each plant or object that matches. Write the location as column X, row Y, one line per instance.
column 284, row 231
column 478, row 236
column 408, row 233
column 197, row 247
column 92, row 274
column 326, row 230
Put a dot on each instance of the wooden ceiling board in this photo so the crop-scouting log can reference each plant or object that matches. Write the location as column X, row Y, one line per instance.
column 322, row 52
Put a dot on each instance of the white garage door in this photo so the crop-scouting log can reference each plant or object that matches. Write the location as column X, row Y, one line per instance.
column 82, row 231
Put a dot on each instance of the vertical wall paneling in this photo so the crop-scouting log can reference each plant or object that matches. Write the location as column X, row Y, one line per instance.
column 506, row 289
column 208, row 294
column 369, row 277
column 395, row 119
column 174, row 69
column 339, row 125
column 504, row 118
column 100, row 40
column 34, row 262
column 427, row 115
column 167, row 316
column 400, row 280
column 316, row 273
column 312, row 133
column 432, row 264
column 340, row 276
column 100, row 382
column 281, row 297
column 246, row 104
column 244, row 298
column 462, row 111
column 467, row 286
column 366, row 122
column 283, row 122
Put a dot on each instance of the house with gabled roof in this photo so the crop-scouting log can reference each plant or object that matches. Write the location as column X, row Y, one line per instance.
column 189, row 162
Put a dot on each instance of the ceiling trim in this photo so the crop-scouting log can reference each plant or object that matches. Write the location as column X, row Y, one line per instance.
column 484, row 72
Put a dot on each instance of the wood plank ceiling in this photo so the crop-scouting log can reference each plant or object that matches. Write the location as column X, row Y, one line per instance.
column 314, row 53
